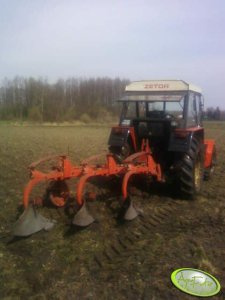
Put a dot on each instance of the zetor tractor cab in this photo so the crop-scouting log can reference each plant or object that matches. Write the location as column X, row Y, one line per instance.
column 168, row 114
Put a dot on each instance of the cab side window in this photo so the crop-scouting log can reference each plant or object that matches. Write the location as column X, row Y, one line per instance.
column 198, row 108
column 192, row 115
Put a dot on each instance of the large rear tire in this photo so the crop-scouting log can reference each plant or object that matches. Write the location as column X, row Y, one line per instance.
column 190, row 173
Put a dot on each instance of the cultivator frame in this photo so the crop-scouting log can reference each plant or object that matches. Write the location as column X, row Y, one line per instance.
column 139, row 163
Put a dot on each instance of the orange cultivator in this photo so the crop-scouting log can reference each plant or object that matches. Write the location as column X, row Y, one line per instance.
column 139, row 163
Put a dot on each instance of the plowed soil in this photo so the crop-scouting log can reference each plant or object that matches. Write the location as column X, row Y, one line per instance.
column 109, row 259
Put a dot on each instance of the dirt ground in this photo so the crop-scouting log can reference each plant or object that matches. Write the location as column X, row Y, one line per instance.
column 109, row 259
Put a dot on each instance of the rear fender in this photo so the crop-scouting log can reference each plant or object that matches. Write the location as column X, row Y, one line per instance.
column 181, row 139
column 209, row 149
column 120, row 135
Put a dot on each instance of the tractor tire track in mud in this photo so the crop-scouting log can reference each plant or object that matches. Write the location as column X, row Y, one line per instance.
column 109, row 260
column 132, row 235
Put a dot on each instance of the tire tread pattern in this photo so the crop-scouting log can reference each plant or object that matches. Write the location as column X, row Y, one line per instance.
column 186, row 175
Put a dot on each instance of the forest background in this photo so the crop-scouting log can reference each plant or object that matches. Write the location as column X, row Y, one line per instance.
column 84, row 99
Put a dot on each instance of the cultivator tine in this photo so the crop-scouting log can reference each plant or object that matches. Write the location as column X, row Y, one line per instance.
column 30, row 222
column 83, row 218
column 131, row 212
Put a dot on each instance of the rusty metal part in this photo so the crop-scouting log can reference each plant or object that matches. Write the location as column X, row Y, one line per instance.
column 63, row 171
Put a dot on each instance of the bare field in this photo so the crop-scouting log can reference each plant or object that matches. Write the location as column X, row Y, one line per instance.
column 108, row 260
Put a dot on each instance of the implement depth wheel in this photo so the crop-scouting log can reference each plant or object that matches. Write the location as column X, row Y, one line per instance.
column 190, row 174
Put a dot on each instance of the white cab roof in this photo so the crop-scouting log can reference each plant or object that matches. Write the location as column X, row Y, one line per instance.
column 161, row 86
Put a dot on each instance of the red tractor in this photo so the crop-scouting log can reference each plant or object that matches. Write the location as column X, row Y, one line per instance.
column 168, row 114
column 160, row 135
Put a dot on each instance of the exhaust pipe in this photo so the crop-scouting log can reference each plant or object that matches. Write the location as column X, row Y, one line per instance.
column 31, row 222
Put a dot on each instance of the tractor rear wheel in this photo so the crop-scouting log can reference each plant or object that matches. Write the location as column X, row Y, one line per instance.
column 190, row 173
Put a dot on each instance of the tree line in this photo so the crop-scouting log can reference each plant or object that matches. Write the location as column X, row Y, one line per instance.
column 66, row 100
column 29, row 99
column 216, row 114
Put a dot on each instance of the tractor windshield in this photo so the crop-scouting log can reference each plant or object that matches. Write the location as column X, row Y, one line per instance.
column 153, row 106
column 169, row 109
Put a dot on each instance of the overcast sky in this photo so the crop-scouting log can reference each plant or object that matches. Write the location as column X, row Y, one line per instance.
column 161, row 39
